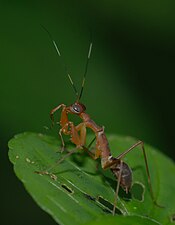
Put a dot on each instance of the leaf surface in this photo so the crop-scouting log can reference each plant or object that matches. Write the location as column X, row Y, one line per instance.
column 78, row 190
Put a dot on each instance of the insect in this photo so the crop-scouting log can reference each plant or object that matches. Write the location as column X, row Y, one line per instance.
column 77, row 134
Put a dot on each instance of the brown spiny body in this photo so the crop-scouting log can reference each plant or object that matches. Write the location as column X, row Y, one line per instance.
column 78, row 136
column 102, row 149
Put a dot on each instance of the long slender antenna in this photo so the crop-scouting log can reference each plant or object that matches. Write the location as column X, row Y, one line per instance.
column 86, row 67
column 59, row 54
column 71, row 81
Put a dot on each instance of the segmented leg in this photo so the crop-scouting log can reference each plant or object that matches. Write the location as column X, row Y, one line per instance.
column 46, row 172
column 78, row 139
column 54, row 110
column 92, row 155
column 122, row 155
column 64, row 130
column 117, row 188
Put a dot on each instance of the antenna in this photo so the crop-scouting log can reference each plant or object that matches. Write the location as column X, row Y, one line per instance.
column 59, row 54
column 86, row 67
column 71, row 81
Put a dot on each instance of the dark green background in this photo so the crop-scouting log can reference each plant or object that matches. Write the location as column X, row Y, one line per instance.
column 129, row 87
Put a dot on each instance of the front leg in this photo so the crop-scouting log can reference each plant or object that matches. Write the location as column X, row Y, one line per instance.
column 93, row 156
column 54, row 110
column 76, row 138
column 64, row 122
column 64, row 130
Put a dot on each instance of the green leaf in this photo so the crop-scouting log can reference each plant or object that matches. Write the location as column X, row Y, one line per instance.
column 83, row 193
column 123, row 220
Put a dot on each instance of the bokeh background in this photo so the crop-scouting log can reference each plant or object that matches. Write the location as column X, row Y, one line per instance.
column 130, row 81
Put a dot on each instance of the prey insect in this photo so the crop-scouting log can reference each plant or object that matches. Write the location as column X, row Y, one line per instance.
column 77, row 134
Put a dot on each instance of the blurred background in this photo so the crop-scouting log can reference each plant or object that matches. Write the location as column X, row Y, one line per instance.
column 130, row 81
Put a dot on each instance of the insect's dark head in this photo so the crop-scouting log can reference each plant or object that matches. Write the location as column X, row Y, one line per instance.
column 77, row 108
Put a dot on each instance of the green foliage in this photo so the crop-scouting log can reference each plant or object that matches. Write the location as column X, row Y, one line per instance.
column 79, row 192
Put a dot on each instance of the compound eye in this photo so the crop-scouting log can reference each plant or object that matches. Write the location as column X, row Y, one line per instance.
column 76, row 108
